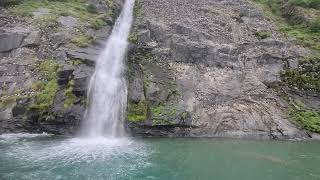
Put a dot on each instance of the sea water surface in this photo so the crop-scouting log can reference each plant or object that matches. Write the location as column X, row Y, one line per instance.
column 27, row 156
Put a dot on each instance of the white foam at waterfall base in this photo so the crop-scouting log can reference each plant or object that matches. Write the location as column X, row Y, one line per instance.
column 107, row 92
column 47, row 154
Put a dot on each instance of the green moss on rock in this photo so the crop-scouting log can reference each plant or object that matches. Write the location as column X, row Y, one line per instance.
column 71, row 98
column 137, row 111
column 133, row 37
column 291, row 19
column 47, row 90
column 163, row 115
column 82, row 40
column 306, row 76
column 307, row 118
column 262, row 34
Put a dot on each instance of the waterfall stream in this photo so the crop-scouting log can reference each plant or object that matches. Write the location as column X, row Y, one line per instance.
column 107, row 92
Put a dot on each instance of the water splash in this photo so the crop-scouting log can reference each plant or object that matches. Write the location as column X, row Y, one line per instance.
column 107, row 88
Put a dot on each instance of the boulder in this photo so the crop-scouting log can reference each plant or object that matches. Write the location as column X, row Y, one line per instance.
column 67, row 21
column 9, row 41
column 33, row 39
column 40, row 12
column 136, row 90
column 144, row 36
column 65, row 74
column 81, row 78
column 88, row 55
column 59, row 38
column 98, row 5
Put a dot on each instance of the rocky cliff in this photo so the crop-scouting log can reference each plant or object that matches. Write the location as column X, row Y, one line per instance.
column 208, row 68
column 47, row 52
column 205, row 68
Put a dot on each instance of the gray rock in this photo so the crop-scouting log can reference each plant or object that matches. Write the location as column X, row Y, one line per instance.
column 40, row 12
column 99, row 5
column 59, row 38
column 181, row 29
column 208, row 76
column 81, row 78
column 250, row 12
column 144, row 36
column 88, row 55
column 9, row 41
column 61, row 55
column 33, row 39
column 65, row 74
column 136, row 90
column 20, row 108
column 67, row 21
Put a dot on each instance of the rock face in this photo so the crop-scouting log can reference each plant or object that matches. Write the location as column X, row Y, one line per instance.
column 29, row 51
column 67, row 21
column 201, row 71
column 10, row 41
column 197, row 69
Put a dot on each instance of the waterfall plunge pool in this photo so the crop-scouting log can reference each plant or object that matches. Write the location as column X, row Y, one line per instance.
column 28, row 156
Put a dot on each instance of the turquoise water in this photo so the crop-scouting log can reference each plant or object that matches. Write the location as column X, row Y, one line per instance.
column 26, row 156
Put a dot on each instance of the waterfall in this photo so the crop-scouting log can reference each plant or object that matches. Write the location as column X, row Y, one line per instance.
column 107, row 92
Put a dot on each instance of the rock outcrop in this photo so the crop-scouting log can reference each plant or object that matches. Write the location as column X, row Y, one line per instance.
column 46, row 65
column 201, row 69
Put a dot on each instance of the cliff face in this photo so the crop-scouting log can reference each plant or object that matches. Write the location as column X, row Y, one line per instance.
column 206, row 68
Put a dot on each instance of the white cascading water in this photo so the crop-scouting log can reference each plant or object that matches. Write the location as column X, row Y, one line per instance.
column 107, row 88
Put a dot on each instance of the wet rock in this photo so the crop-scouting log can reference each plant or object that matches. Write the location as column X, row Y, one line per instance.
column 10, row 41
column 87, row 55
column 136, row 90
column 65, row 74
column 81, row 78
column 20, row 108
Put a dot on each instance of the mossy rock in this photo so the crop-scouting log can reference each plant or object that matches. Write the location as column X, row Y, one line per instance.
column 137, row 112
column 306, row 76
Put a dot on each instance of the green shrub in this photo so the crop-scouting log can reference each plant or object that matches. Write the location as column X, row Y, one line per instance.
column 47, row 89
column 307, row 118
column 306, row 76
column 44, row 100
column 290, row 22
column 92, row 8
column 262, row 34
column 82, row 40
column 97, row 23
column 137, row 10
column 133, row 37
column 306, row 3
column 315, row 26
column 137, row 111
column 6, row 3
column 71, row 98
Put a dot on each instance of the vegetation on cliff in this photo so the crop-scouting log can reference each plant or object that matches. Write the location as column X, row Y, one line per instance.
column 47, row 90
column 306, row 76
column 299, row 19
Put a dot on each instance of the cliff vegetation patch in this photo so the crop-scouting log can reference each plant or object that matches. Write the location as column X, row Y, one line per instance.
column 299, row 19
